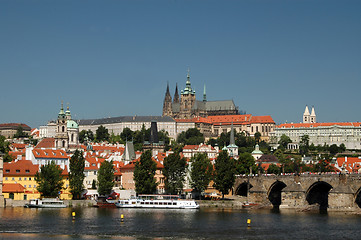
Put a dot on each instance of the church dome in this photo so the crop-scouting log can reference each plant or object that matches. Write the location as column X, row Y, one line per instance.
column 72, row 124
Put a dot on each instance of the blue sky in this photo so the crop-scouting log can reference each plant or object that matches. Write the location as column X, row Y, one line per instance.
column 114, row 58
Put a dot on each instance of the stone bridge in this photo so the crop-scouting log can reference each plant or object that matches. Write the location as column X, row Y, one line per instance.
column 333, row 191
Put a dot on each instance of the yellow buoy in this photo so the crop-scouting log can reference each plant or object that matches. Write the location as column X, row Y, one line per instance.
column 249, row 222
column 122, row 217
column 73, row 214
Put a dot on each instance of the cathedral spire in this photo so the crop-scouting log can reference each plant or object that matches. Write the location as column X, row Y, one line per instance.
column 204, row 94
column 176, row 95
column 167, row 92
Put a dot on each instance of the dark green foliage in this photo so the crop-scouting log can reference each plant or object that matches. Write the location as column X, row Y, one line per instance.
column 201, row 172
column 257, row 137
column 85, row 133
column 323, row 166
column 105, row 178
column 191, row 137
column 4, row 149
column 126, row 135
column 174, row 172
column 49, row 180
column 304, row 144
column 244, row 143
column 144, row 173
column 224, row 173
column 20, row 132
column 102, row 134
column 334, row 149
column 273, row 169
column 76, row 175
column 342, row 148
column 244, row 163
column 94, row 184
column 284, row 141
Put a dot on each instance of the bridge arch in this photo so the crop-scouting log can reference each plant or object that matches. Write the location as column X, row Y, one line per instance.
column 317, row 193
column 274, row 193
column 358, row 198
column 242, row 189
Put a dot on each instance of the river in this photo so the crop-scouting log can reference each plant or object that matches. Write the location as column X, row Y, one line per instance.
column 206, row 223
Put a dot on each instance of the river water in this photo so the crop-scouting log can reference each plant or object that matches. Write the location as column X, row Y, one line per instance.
column 206, row 223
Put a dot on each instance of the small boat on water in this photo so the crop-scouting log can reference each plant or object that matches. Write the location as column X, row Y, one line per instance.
column 45, row 203
column 157, row 201
column 249, row 205
column 102, row 202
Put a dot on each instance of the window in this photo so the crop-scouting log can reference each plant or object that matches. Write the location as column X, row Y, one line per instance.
column 25, row 179
column 29, row 178
column 13, row 179
column 24, row 186
column 34, row 186
column 17, row 170
column 95, row 172
column 7, row 170
column 19, row 178
column 6, row 178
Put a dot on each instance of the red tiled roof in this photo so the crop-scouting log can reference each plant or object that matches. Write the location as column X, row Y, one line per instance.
column 46, row 143
column 50, row 153
column 310, row 125
column 14, row 126
column 18, row 145
column 21, row 167
column 13, row 188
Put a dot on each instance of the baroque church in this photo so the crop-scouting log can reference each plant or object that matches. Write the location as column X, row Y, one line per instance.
column 187, row 106
column 67, row 131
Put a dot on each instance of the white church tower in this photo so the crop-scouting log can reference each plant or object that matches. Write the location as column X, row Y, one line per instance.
column 313, row 115
column 306, row 116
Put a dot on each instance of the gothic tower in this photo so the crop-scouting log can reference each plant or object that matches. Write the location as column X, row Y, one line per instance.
column 306, row 115
column 313, row 115
column 188, row 99
column 167, row 104
column 176, row 95
column 61, row 135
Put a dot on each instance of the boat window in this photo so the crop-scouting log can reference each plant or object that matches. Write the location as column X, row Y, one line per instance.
column 155, row 203
column 146, row 203
column 133, row 202
column 142, row 203
column 160, row 203
column 174, row 203
column 126, row 202
column 169, row 203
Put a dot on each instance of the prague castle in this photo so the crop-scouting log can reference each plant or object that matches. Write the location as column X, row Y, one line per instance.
column 186, row 106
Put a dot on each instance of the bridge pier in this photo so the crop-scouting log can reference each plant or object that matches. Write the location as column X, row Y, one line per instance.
column 293, row 196
column 341, row 197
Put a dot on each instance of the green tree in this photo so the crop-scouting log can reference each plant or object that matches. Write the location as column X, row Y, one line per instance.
column 76, row 175
column 49, row 180
column 334, row 149
column 257, row 137
column 201, row 172
column 284, row 141
column 20, row 132
column 342, row 147
column 144, row 173
column 94, row 184
column 273, row 169
column 105, row 178
column 126, row 134
column 244, row 163
column 102, row 134
column 224, row 173
column 174, row 172
column 5, row 148
column 191, row 137
column 86, row 133
column 304, row 144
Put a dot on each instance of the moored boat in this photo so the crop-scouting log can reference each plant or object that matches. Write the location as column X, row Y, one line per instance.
column 157, row 201
column 45, row 203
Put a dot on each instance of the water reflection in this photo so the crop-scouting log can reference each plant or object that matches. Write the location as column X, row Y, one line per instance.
column 207, row 223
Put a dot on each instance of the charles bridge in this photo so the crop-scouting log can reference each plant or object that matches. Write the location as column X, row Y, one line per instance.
column 332, row 191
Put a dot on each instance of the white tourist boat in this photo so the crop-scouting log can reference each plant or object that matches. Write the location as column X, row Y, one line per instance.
column 45, row 203
column 157, row 201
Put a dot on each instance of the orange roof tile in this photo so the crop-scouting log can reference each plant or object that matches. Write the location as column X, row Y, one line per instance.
column 13, row 188
column 46, row 143
column 50, row 153
column 21, row 167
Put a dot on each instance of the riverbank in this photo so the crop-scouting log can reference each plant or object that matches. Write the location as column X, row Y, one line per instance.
column 221, row 204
